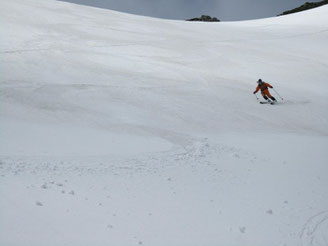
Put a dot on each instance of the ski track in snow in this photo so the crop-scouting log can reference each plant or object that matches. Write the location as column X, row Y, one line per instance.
column 198, row 152
column 315, row 230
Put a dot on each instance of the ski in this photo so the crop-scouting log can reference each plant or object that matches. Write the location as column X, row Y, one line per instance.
column 266, row 102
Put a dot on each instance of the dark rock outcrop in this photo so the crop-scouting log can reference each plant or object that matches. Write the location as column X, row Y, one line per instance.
column 306, row 6
column 205, row 18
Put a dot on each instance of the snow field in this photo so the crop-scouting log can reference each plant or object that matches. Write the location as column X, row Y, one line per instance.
column 126, row 130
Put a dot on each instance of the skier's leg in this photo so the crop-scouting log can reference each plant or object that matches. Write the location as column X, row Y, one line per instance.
column 270, row 96
column 264, row 94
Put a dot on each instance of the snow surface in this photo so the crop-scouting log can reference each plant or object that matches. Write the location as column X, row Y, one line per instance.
column 127, row 130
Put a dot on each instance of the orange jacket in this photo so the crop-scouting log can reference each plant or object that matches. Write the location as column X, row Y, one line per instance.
column 264, row 86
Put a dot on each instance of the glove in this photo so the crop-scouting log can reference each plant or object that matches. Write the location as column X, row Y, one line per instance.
column 254, row 92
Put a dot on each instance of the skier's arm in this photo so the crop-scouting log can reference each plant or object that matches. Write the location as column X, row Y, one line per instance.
column 257, row 89
column 268, row 85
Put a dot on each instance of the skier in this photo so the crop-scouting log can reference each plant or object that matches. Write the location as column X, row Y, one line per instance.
column 264, row 87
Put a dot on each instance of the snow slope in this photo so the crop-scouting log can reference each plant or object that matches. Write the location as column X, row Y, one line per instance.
column 123, row 130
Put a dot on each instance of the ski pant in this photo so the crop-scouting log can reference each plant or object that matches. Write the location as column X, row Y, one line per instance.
column 266, row 94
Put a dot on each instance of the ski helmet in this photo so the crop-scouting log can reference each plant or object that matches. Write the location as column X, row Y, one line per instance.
column 259, row 81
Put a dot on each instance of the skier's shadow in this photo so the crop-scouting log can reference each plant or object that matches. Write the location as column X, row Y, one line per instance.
column 289, row 102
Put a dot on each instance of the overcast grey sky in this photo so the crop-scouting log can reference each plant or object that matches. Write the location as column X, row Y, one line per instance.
column 225, row 10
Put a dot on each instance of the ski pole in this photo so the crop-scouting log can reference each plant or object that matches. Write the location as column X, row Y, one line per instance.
column 277, row 93
column 256, row 97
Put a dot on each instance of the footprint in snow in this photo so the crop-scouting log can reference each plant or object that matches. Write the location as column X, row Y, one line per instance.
column 242, row 229
column 38, row 203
